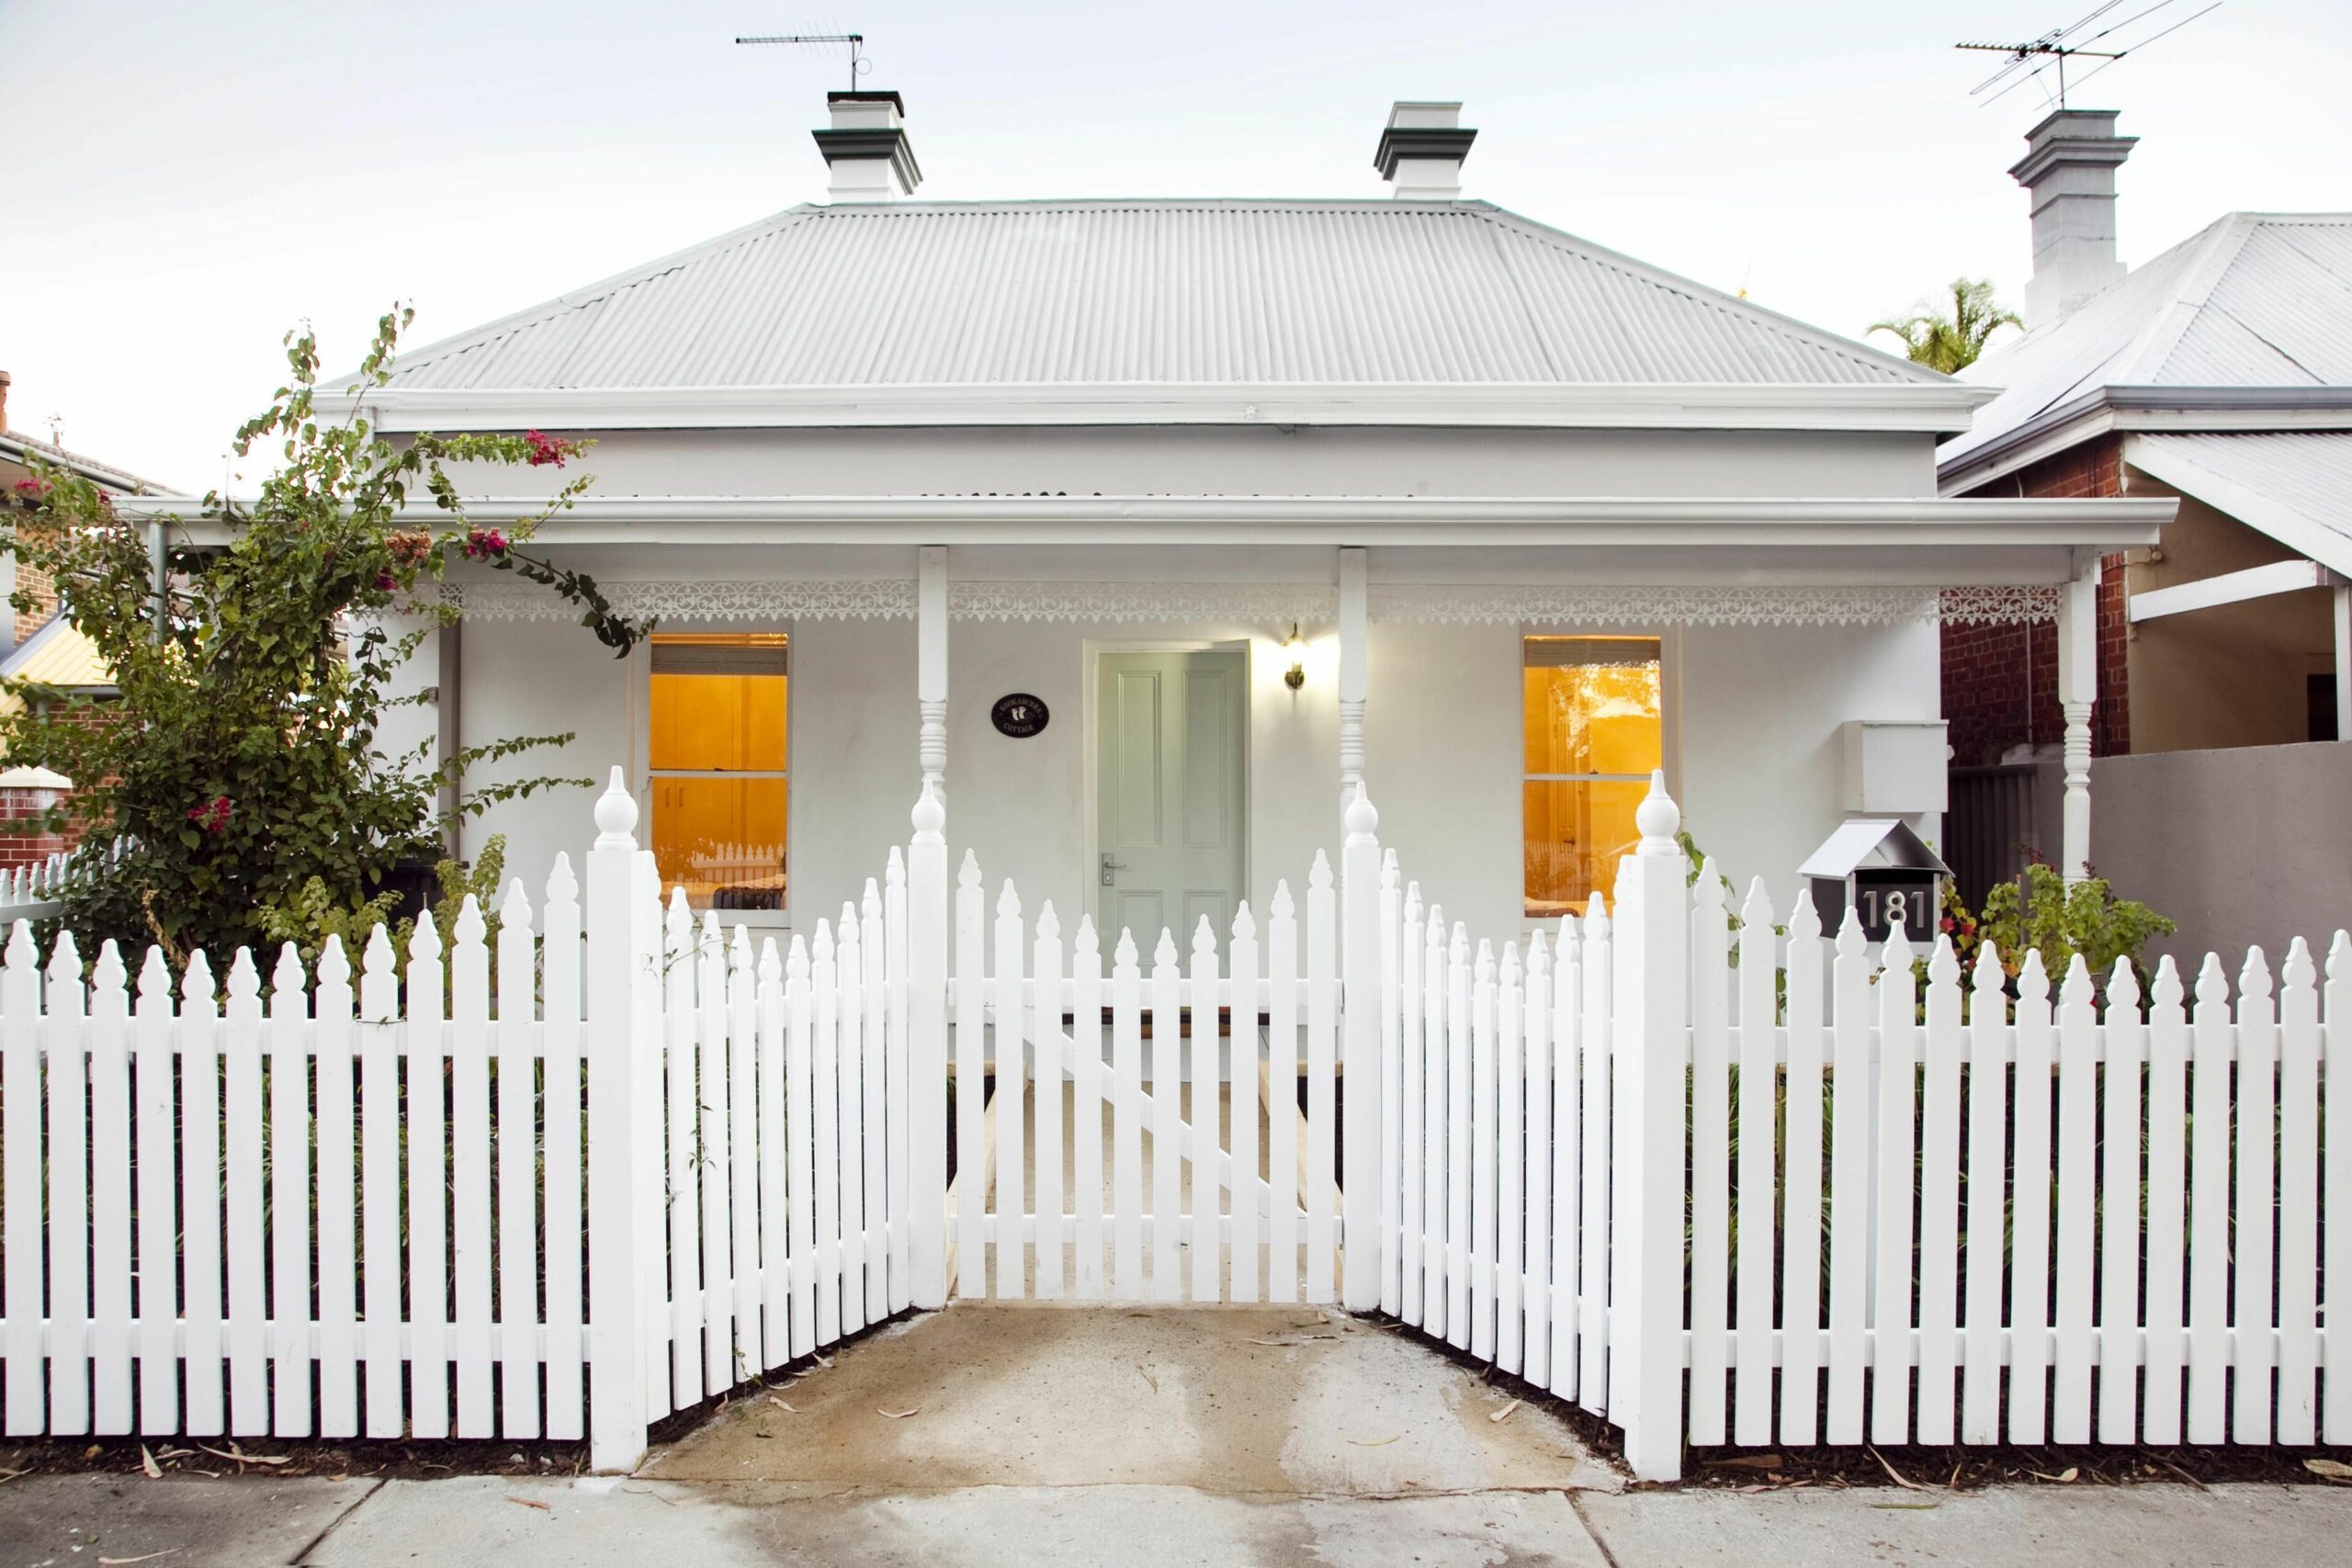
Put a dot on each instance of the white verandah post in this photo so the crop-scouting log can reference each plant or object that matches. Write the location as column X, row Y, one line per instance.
column 1650, row 1049
column 927, row 943
column 1354, row 679
column 2077, row 689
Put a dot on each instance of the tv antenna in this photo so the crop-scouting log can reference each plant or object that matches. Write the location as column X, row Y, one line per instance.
column 858, row 65
column 2053, row 49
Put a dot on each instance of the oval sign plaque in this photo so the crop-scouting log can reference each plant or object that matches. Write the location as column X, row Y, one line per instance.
column 1019, row 715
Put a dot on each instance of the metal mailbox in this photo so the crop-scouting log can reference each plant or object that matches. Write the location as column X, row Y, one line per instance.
column 1882, row 870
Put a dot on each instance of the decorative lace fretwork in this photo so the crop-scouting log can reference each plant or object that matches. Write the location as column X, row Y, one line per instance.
column 1253, row 601
column 1274, row 604
column 1657, row 604
column 757, row 599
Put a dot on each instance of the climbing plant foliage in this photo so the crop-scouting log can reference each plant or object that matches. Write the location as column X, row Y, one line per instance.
column 240, row 777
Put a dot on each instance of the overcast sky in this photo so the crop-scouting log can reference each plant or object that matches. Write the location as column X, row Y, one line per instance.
column 188, row 179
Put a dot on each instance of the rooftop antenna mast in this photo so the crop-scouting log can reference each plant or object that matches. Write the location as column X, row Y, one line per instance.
column 2053, row 49
column 858, row 65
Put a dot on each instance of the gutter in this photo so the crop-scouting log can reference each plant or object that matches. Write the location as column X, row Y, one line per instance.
column 1938, row 408
column 1394, row 521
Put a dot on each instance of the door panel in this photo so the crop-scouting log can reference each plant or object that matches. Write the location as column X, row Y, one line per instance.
column 1174, row 806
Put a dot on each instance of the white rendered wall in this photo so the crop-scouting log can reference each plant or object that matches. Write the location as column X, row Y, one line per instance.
column 1753, row 748
column 1237, row 460
column 1758, row 714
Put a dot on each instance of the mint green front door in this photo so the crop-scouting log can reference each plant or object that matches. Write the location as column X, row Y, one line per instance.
column 1172, row 809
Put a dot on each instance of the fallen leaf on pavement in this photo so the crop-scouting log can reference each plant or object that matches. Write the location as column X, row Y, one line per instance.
column 1149, row 1378
column 1375, row 1442
column 780, row 1404
column 2329, row 1468
column 1747, row 1462
column 2065, row 1477
column 1504, row 1413
column 1904, row 1504
column 530, row 1503
column 116, row 1561
column 896, row 1414
column 147, row 1462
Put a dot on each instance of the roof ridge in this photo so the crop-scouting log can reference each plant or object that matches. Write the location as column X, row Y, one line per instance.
column 1712, row 297
column 588, row 293
column 2143, row 358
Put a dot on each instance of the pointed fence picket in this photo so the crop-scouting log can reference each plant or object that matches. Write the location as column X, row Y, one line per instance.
column 563, row 1172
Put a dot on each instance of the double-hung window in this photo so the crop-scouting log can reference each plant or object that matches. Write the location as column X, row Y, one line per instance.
column 1594, row 721
column 720, row 766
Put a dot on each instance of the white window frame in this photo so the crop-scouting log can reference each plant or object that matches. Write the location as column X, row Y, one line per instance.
column 780, row 919
column 1668, row 661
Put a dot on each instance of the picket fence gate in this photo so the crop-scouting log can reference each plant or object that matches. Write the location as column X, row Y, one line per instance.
column 667, row 1164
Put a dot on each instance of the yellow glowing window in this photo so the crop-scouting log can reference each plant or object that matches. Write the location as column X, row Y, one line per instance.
column 1595, row 728
column 721, row 778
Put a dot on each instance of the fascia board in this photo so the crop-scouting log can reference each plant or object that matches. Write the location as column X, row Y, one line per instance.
column 2189, row 410
column 2247, row 504
column 1388, row 521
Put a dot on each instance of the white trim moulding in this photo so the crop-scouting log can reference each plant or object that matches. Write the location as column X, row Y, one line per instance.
column 1938, row 408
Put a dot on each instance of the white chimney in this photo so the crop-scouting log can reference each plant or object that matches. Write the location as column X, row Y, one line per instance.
column 1422, row 151
column 865, row 148
column 2069, row 172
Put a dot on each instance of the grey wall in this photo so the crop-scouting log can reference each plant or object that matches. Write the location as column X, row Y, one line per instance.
column 2251, row 846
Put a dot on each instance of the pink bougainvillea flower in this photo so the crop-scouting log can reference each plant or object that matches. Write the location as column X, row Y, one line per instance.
column 546, row 449
column 483, row 543
column 213, row 816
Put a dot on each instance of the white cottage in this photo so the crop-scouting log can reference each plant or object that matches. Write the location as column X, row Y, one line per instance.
column 1145, row 529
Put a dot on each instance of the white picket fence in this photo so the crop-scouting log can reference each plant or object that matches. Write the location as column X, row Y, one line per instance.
column 2101, row 1221
column 668, row 1178
column 1617, row 1165
column 1172, row 1055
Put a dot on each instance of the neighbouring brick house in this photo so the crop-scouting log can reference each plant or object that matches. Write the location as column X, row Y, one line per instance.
column 2219, row 373
column 35, row 645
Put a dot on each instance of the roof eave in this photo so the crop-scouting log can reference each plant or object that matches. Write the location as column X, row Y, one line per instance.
column 1706, row 522
column 2108, row 409
column 1938, row 408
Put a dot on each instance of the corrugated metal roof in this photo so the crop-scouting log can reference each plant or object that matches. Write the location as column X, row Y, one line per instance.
column 1111, row 292
column 2254, row 299
column 56, row 654
column 2296, row 486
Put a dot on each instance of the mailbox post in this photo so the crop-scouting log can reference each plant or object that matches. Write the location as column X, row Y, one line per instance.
column 1882, row 870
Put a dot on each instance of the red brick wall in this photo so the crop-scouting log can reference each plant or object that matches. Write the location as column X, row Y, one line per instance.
column 2000, row 682
column 18, row 806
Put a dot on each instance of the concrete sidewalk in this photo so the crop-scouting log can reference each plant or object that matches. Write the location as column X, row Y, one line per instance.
column 1162, row 1439
column 606, row 1523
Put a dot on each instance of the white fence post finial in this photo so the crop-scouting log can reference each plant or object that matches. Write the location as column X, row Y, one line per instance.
column 619, row 1256
column 1659, row 819
column 926, row 980
column 616, row 816
column 1648, row 1043
column 1360, row 1113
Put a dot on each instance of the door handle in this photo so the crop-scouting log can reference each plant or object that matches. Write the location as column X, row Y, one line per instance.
column 1111, row 866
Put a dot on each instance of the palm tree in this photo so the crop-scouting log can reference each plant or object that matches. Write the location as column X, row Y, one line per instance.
column 1950, row 344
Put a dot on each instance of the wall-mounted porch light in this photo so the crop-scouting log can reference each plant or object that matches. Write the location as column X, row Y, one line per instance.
column 1295, row 646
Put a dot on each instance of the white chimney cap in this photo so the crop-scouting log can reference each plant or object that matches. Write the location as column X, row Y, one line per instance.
column 866, row 147
column 1422, row 148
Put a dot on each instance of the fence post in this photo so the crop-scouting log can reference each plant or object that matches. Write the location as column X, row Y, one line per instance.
column 1360, row 1056
column 618, row 1254
column 1645, row 1308
column 927, row 1049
